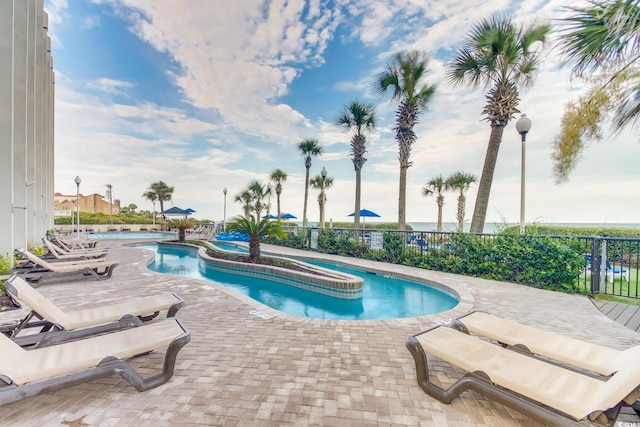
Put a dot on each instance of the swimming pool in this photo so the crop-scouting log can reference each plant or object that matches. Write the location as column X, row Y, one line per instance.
column 132, row 235
column 382, row 297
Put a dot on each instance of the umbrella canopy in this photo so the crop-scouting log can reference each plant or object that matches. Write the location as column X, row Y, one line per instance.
column 288, row 216
column 189, row 210
column 175, row 211
column 365, row 213
column 269, row 216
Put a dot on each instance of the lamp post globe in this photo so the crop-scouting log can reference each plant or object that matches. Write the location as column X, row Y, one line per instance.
column 523, row 126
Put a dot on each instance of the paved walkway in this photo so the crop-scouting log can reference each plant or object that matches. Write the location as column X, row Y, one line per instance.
column 243, row 370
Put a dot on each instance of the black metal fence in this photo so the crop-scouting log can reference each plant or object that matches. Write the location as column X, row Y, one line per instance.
column 611, row 265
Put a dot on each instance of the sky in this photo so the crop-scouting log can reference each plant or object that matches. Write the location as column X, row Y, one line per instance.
column 212, row 95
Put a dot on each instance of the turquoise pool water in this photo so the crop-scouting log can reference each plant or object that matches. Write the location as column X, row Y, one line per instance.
column 132, row 235
column 382, row 297
column 230, row 247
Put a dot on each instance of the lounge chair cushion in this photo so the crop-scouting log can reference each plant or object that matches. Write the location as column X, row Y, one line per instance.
column 565, row 390
column 22, row 366
column 593, row 357
column 91, row 316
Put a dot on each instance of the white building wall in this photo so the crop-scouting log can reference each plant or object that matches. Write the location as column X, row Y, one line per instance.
column 26, row 125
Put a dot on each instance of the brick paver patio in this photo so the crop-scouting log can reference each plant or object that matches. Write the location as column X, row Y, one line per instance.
column 244, row 370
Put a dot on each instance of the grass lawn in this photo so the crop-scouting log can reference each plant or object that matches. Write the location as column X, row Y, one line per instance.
column 620, row 290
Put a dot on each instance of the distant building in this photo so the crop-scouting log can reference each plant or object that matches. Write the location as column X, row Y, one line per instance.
column 26, row 124
column 92, row 203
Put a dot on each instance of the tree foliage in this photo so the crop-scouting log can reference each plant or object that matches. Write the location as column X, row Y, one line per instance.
column 602, row 41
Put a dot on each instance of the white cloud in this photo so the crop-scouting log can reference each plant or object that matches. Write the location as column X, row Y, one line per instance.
column 241, row 59
column 89, row 22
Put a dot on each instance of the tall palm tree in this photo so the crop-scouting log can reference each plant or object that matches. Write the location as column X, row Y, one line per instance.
column 258, row 193
column 152, row 197
column 436, row 186
column 278, row 177
column 499, row 55
column 309, row 148
column 602, row 41
column 246, row 198
column 254, row 229
column 357, row 117
column 404, row 75
column 163, row 192
column 461, row 182
column 317, row 183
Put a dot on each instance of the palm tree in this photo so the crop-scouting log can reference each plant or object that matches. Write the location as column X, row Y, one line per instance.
column 461, row 182
column 436, row 186
column 152, row 197
column 162, row 193
column 323, row 185
column 500, row 55
column 254, row 229
column 258, row 193
column 278, row 177
column 308, row 147
column 357, row 117
column 246, row 198
column 602, row 41
column 404, row 75
column 182, row 225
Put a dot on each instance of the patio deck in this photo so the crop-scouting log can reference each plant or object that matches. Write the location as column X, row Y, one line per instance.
column 245, row 370
column 625, row 314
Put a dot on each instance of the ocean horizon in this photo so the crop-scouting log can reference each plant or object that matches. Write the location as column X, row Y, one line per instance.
column 492, row 227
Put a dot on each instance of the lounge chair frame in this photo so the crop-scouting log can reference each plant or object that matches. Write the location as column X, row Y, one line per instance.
column 41, row 270
column 53, row 332
column 480, row 382
column 109, row 366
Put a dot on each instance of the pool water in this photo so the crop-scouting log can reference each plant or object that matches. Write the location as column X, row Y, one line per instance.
column 230, row 247
column 382, row 297
column 132, row 235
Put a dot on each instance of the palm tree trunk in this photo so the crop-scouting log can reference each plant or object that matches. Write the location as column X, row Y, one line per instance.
column 440, row 204
column 484, row 188
column 356, row 221
column 306, row 196
column 279, row 214
column 402, row 199
column 461, row 207
column 254, row 248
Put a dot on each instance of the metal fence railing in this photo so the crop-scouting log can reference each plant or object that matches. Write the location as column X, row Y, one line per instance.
column 612, row 265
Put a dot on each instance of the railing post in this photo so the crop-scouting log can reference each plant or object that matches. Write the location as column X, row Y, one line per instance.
column 595, row 265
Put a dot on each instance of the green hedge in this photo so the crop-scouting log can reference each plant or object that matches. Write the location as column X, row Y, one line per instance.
column 541, row 262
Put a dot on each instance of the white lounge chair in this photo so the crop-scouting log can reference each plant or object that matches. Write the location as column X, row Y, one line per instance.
column 28, row 373
column 78, row 323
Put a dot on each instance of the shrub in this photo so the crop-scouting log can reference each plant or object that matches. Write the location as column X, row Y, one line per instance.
column 5, row 264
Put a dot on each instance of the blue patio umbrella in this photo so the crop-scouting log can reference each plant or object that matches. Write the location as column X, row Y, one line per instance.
column 189, row 210
column 288, row 216
column 175, row 211
column 269, row 216
column 366, row 213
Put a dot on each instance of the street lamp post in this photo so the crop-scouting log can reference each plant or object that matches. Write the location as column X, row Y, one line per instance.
column 522, row 126
column 78, row 181
column 110, row 193
column 323, row 173
column 224, row 218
